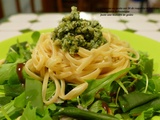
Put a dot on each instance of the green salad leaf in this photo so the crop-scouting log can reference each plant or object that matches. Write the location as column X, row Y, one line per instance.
column 33, row 93
column 88, row 96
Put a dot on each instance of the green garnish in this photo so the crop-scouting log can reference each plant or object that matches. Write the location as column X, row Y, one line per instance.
column 74, row 32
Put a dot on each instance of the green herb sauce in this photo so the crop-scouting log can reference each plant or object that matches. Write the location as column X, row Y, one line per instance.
column 74, row 32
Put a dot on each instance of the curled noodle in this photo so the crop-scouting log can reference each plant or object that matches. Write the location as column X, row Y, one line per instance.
column 49, row 62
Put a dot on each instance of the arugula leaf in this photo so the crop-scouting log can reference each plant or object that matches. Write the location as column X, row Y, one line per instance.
column 88, row 96
column 12, row 57
column 8, row 73
column 103, row 95
column 146, row 64
column 18, row 51
column 5, row 100
column 50, row 90
column 156, row 80
column 147, row 114
column 33, row 92
column 23, row 50
column 20, row 101
column 29, row 113
column 35, row 36
column 51, row 107
column 148, row 68
column 8, row 93
column 97, row 107
column 13, row 90
column 141, row 84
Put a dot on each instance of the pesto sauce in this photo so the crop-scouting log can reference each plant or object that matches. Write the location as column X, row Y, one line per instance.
column 74, row 32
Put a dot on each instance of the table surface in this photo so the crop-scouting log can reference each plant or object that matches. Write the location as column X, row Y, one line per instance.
column 145, row 25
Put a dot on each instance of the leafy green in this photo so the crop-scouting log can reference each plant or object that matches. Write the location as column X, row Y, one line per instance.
column 146, row 64
column 13, row 90
column 8, row 72
column 103, row 95
column 35, row 36
column 29, row 113
column 156, row 81
column 88, row 96
column 147, row 114
column 5, row 100
column 47, row 114
column 20, row 101
column 50, row 90
column 97, row 107
column 33, row 92
column 18, row 51
column 8, row 92
column 12, row 57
